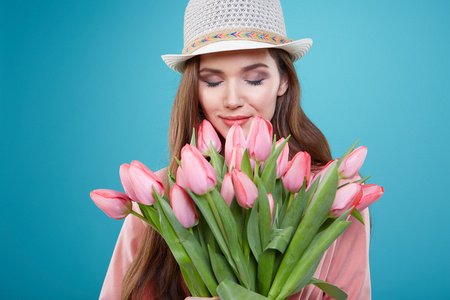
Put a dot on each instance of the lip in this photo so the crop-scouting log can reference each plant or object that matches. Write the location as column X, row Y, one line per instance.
column 235, row 120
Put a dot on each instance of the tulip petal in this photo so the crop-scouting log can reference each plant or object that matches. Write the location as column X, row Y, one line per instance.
column 259, row 139
column 144, row 181
column 124, row 173
column 353, row 162
column 183, row 206
column 207, row 135
column 115, row 204
column 371, row 194
column 235, row 137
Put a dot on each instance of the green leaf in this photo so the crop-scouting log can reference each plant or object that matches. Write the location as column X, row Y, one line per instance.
column 269, row 174
column 281, row 239
column 203, row 205
column 170, row 176
column 357, row 215
column 232, row 235
column 304, row 269
column 363, row 180
column 217, row 162
column 294, row 213
column 253, row 236
column 193, row 139
column 195, row 282
column 246, row 166
column 220, row 266
column 152, row 216
column 315, row 214
column 238, row 217
column 329, row 289
column 265, row 271
column 191, row 245
column 264, row 219
column 229, row 290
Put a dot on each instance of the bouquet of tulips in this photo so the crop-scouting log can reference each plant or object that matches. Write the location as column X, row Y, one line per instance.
column 251, row 224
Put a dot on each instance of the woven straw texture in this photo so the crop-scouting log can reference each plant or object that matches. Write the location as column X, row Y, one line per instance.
column 203, row 17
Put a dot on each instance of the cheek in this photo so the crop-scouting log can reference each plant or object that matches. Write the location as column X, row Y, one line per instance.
column 264, row 103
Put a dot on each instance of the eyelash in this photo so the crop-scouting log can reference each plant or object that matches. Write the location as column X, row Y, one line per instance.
column 255, row 82
column 251, row 82
column 212, row 84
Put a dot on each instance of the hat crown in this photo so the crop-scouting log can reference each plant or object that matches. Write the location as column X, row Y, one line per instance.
column 203, row 17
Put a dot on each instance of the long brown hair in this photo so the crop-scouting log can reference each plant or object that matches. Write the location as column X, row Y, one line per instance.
column 154, row 267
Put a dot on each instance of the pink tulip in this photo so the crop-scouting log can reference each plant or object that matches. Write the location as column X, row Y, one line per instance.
column 235, row 137
column 227, row 191
column 183, row 206
column 180, row 178
column 246, row 191
column 144, row 181
column 207, row 135
column 271, row 204
column 283, row 158
column 323, row 171
column 236, row 158
column 259, row 139
column 353, row 162
column 346, row 197
column 115, row 204
column 371, row 194
column 199, row 175
column 124, row 173
column 298, row 168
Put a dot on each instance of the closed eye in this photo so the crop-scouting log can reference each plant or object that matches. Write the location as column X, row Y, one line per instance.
column 212, row 84
column 255, row 82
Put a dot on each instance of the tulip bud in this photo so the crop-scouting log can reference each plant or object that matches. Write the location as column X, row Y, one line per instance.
column 144, row 181
column 235, row 137
column 227, row 191
column 298, row 168
column 207, row 135
column 199, row 175
column 353, row 162
column 346, row 197
column 259, row 139
column 180, row 178
column 183, row 206
column 124, row 173
column 271, row 204
column 323, row 171
column 371, row 194
column 115, row 204
column 283, row 158
column 246, row 191
column 236, row 158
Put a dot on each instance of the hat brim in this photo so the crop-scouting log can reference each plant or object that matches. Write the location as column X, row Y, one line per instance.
column 296, row 49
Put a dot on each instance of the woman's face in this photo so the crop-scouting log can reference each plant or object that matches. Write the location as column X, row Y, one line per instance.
column 236, row 86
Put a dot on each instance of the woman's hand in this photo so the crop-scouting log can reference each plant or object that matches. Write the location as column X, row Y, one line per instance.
column 199, row 298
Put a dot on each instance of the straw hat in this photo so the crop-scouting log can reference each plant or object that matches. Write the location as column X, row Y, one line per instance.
column 225, row 25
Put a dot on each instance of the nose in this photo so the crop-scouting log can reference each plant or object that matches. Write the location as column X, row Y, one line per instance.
column 233, row 97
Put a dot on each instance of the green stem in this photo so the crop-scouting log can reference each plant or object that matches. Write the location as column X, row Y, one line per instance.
column 256, row 171
column 217, row 217
column 245, row 243
column 140, row 217
column 291, row 198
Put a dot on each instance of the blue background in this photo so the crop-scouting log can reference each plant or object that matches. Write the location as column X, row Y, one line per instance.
column 83, row 90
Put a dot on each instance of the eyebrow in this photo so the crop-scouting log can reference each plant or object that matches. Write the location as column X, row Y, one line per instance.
column 244, row 69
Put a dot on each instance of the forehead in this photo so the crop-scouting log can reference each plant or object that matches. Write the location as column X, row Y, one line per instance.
column 237, row 59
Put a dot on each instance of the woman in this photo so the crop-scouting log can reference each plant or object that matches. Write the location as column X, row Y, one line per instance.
column 237, row 63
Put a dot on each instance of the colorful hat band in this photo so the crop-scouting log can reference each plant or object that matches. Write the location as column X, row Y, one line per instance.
column 250, row 35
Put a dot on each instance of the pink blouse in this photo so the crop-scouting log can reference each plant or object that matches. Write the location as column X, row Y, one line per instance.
column 345, row 264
